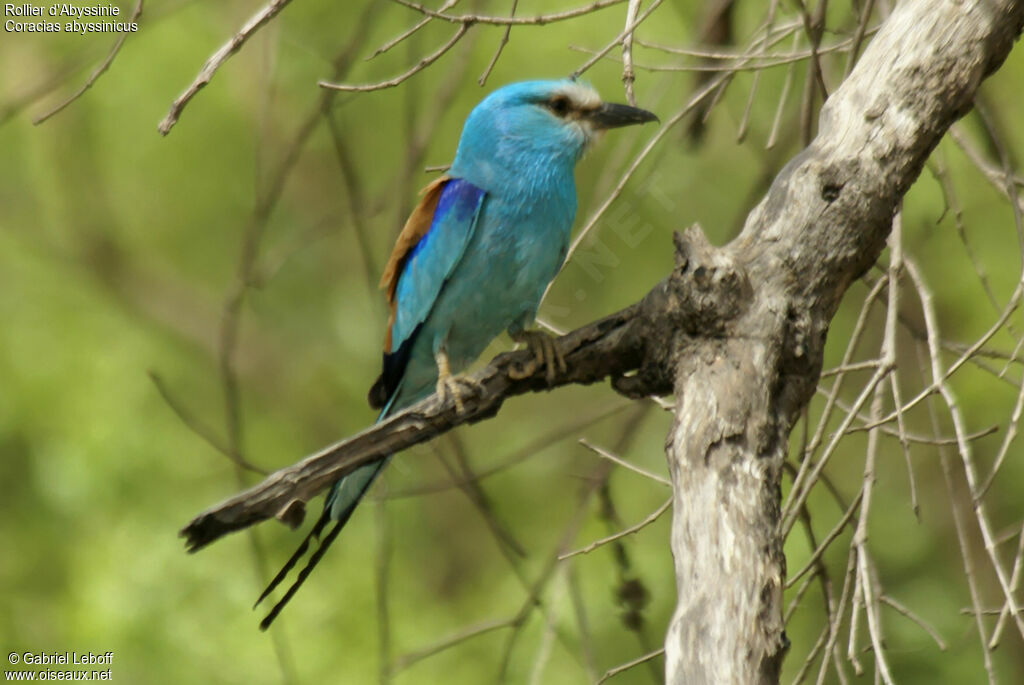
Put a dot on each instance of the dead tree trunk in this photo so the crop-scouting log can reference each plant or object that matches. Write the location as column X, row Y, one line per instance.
column 748, row 362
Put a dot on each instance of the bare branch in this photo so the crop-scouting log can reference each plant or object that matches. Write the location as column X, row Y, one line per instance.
column 925, row 626
column 197, row 426
column 408, row 660
column 610, row 347
column 409, row 32
column 748, row 61
column 420, row 66
column 99, row 71
column 963, row 447
column 612, row 672
column 626, row 32
column 623, row 463
column 648, row 520
column 628, row 75
column 540, row 19
column 520, row 455
column 255, row 23
column 501, row 46
column 1018, row 567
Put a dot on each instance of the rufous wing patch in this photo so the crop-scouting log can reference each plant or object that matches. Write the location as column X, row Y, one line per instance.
column 416, row 226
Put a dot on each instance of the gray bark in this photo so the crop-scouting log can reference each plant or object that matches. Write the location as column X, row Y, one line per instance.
column 822, row 224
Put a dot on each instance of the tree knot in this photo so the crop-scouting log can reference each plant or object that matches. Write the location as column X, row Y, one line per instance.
column 708, row 288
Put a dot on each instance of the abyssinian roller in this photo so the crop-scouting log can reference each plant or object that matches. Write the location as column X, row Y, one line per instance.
column 474, row 260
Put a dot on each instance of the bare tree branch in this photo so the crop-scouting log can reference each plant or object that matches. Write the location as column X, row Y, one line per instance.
column 610, row 347
column 420, row 66
column 540, row 19
column 501, row 46
column 99, row 71
column 255, row 23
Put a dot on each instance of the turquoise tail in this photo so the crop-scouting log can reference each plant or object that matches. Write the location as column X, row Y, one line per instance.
column 342, row 500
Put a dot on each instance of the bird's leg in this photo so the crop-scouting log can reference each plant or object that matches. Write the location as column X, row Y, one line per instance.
column 545, row 353
column 452, row 386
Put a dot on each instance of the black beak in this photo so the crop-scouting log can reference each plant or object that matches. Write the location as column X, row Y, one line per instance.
column 611, row 115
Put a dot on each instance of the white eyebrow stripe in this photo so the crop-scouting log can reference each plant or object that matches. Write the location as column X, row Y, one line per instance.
column 581, row 96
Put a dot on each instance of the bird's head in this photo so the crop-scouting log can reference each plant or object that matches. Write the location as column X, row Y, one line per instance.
column 539, row 122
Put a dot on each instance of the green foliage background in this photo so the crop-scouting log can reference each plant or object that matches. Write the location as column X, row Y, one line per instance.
column 118, row 249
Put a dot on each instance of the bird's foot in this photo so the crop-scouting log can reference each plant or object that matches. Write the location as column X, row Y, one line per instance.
column 452, row 387
column 545, row 353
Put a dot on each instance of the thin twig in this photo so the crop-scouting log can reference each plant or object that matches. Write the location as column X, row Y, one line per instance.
column 815, row 81
column 99, row 71
column 772, row 34
column 787, row 84
column 501, row 46
column 630, row 27
column 538, row 20
column 547, row 639
column 255, row 23
column 865, row 577
column 651, row 518
column 410, row 31
column 623, row 463
column 406, row 660
column 964, row 448
column 895, row 269
column 197, row 426
column 1018, row 567
column 553, row 562
column 628, row 75
column 755, row 63
column 39, row 90
column 910, row 437
column 531, row 449
column 391, row 83
column 478, row 497
column 925, row 626
column 963, row 537
column 836, row 623
column 510, row 548
column 612, row 672
column 829, row 539
column 695, row 100
column 580, row 612
column 741, row 132
column 859, row 35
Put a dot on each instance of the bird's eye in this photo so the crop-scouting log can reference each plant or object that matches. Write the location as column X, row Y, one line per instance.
column 559, row 105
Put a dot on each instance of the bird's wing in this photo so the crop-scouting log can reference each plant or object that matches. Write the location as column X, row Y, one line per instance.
column 430, row 245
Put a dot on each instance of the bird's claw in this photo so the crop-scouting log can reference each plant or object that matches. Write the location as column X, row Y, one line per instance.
column 448, row 386
column 455, row 388
column 545, row 353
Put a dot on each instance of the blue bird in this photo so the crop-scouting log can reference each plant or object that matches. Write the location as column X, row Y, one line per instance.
column 475, row 258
